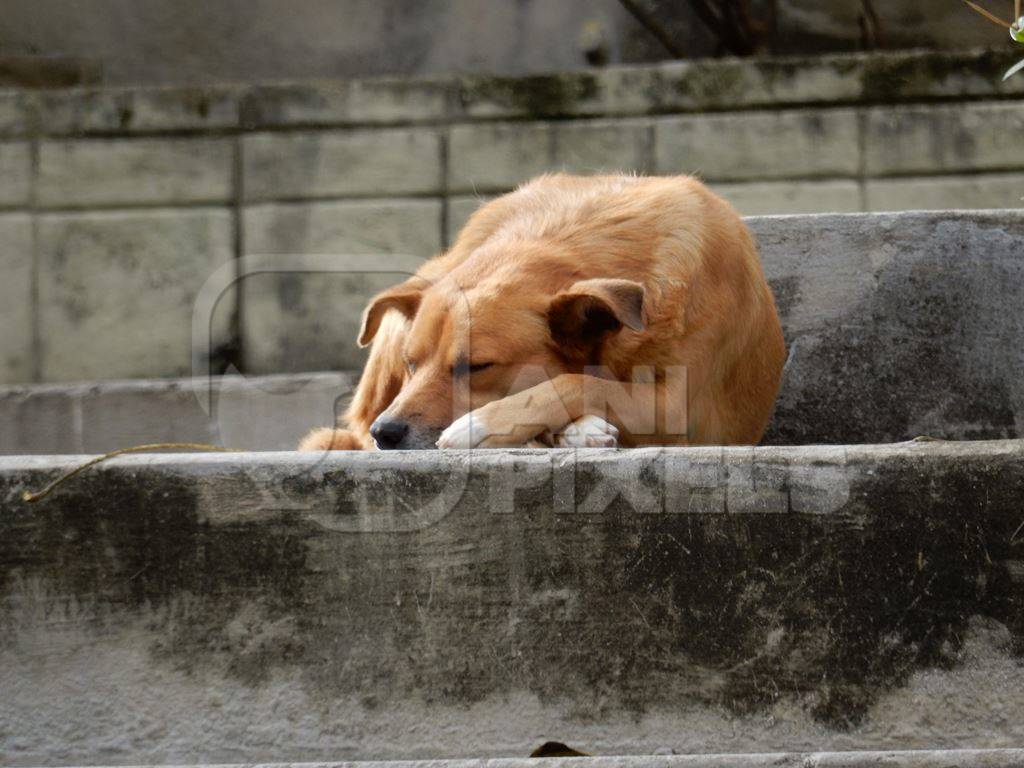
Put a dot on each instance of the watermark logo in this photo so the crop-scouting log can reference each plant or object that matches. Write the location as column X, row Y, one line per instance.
column 363, row 492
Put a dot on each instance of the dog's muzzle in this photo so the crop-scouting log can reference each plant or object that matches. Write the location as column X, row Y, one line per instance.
column 392, row 434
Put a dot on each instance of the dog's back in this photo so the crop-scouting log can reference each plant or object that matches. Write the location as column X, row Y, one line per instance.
column 708, row 306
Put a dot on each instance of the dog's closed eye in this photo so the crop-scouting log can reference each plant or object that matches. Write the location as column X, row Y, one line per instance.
column 462, row 368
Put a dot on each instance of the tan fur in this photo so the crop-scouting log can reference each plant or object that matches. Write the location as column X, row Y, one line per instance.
column 668, row 264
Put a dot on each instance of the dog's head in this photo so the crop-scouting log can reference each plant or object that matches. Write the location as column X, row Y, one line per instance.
column 473, row 339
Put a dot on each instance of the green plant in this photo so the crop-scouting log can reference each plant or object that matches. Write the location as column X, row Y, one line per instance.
column 1016, row 28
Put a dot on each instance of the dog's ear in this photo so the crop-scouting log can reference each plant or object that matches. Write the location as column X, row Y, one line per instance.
column 405, row 297
column 587, row 311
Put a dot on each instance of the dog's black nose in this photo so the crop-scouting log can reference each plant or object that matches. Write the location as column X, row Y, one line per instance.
column 388, row 433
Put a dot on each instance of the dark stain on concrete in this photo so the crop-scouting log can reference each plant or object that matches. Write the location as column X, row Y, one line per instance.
column 610, row 614
column 814, row 124
column 713, row 82
column 546, row 95
column 787, row 294
column 112, row 542
column 836, row 609
column 892, row 78
column 965, row 145
column 290, row 290
column 125, row 115
column 914, row 355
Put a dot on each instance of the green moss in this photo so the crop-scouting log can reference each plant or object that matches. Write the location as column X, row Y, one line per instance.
column 890, row 78
column 536, row 96
column 713, row 81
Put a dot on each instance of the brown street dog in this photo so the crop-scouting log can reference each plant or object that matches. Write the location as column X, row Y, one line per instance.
column 607, row 310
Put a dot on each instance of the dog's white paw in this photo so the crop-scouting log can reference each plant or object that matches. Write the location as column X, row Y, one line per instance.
column 465, row 432
column 588, row 432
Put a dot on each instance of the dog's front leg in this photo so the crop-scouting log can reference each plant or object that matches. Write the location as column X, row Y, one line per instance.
column 515, row 420
column 591, row 405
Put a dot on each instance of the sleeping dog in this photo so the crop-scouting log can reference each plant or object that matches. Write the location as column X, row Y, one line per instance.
column 601, row 311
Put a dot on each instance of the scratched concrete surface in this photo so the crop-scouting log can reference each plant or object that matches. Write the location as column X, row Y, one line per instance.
column 282, row 607
column 898, row 325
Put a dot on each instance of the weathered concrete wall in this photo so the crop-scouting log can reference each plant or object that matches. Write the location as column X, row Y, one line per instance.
column 116, row 205
column 190, row 43
column 169, row 609
column 195, row 43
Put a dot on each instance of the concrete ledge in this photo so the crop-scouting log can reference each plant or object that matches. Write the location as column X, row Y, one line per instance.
column 697, row 86
column 407, row 485
column 255, row 412
column 283, row 607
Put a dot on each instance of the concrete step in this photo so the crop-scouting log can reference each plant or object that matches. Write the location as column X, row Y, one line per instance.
column 260, row 413
column 285, row 607
column 898, row 325
column 945, row 758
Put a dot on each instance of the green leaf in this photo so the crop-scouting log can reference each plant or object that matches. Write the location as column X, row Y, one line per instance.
column 1017, row 30
column 1014, row 69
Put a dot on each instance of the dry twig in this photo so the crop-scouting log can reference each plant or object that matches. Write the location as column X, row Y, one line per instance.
column 991, row 16
column 31, row 496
